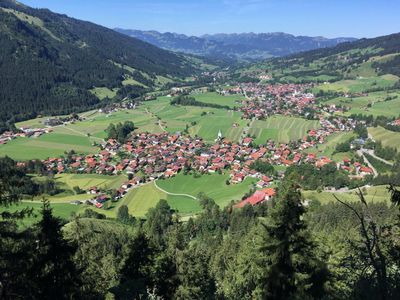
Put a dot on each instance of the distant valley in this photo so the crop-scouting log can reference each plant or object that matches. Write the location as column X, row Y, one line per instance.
column 244, row 46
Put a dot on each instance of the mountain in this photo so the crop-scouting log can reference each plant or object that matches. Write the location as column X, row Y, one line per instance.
column 364, row 58
column 245, row 46
column 50, row 62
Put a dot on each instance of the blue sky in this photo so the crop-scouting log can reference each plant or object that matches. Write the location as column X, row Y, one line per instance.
column 329, row 18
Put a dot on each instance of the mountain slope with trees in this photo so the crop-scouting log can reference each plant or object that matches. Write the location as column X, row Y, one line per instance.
column 359, row 59
column 49, row 62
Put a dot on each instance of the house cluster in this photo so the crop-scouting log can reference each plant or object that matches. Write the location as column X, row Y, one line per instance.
column 23, row 132
column 258, row 197
column 395, row 123
column 356, row 169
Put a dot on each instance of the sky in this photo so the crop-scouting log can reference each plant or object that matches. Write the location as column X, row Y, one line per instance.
column 328, row 18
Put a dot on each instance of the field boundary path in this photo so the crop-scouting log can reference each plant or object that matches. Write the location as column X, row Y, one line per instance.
column 172, row 194
column 82, row 134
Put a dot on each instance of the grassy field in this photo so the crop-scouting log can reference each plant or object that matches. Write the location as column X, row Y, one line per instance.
column 387, row 137
column 358, row 85
column 60, row 210
column 49, row 145
column 379, row 107
column 140, row 200
column 376, row 194
column 211, row 97
column 103, row 92
column 329, row 146
column 213, row 186
column 175, row 118
column 281, row 129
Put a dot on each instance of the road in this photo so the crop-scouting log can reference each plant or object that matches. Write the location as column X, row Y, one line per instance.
column 372, row 153
column 172, row 194
column 361, row 154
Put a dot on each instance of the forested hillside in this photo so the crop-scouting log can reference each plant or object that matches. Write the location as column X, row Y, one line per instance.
column 362, row 58
column 49, row 62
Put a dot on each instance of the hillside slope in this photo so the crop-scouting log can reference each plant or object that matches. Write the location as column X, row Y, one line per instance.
column 365, row 58
column 245, row 46
column 49, row 62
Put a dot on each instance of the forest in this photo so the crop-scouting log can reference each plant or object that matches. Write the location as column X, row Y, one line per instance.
column 278, row 250
column 49, row 62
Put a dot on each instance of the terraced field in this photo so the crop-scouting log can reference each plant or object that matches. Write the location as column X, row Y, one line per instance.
column 387, row 137
column 281, row 129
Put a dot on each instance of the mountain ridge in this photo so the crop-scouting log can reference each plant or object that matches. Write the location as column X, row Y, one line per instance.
column 242, row 46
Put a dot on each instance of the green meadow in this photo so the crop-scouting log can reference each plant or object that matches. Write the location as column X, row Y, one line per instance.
column 359, row 85
column 372, row 194
column 212, row 97
column 328, row 148
column 281, row 129
column 213, row 186
column 60, row 210
column 379, row 106
column 387, row 137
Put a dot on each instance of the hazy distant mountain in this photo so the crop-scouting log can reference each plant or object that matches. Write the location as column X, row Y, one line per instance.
column 246, row 46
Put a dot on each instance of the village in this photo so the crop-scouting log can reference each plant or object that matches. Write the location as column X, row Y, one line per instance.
column 148, row 157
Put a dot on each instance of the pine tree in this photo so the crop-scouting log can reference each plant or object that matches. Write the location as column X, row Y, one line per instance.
column 291, row 269
column 53, row 270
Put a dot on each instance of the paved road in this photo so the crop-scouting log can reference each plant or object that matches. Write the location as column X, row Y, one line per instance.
column 172, row 194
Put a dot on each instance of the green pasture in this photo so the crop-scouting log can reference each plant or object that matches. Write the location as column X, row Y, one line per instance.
column 213, row 186
column 377, row 100
column 372, row 194
column 60, row 210
column 215, row 98
column 359, row 85
column 387, row 137
column 103, row 92
column 281, row 129
column 327, row 148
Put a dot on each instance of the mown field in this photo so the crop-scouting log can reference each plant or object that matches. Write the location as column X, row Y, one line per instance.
column 202, row 121
column 281, row 129
column 387, row 137
column 48, row 145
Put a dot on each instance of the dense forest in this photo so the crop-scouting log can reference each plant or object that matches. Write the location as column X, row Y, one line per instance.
column 278, row 250
column 48, row 62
